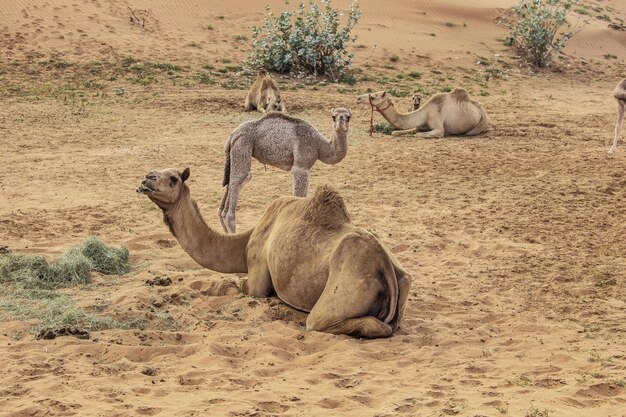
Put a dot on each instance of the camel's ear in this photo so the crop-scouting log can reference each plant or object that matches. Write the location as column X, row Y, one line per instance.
column 384, row 94
column 185, row 174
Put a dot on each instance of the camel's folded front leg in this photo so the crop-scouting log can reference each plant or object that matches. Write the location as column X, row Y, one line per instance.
column 435, row 133
column 403, row 132
column 259, row 281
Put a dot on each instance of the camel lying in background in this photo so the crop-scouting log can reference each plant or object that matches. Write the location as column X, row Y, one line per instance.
column 284, row 142
column 416, row 100
column 303, row 249
column 443, row 114
column 264, row 94
column 620, row 95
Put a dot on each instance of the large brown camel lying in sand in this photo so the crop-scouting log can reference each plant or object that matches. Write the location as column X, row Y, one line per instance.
column 281, row 141
column 443, row 114
column 620, row 95
column 303, row 249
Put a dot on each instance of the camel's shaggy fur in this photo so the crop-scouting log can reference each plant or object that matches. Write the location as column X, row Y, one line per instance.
column 453, row 113
column 303, row 249
column 264, row 94
column 282, row 141
column 620, row 95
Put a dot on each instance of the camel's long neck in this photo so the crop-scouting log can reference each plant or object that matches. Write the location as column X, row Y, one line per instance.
column 211, row 249
column 334, row 151
column 401, row 120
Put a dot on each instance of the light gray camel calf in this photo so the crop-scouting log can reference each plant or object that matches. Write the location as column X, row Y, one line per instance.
column 281, row 141
column 620, row 95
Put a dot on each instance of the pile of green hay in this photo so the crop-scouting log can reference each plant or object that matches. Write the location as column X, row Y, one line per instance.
column 384, row 128
column 105, row 259
column 73, row 268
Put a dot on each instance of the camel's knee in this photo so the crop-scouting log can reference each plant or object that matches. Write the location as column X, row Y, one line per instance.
column 259, row 280
column 239, row 180
column 251, row 290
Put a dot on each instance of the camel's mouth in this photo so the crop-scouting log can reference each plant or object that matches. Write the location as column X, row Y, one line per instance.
column 144, row 188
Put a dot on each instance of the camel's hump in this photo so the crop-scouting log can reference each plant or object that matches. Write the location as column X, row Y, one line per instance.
column 326, row 208
column 280, row 115
column 459, row 94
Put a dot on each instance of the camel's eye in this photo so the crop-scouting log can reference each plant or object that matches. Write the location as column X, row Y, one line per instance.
column 173, row 180
column 348, row 118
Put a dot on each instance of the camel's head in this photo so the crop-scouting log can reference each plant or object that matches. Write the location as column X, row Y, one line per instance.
column 164, row 186
column 341, row 119
column 417, row 99
column 377, row 99
column 274, row 104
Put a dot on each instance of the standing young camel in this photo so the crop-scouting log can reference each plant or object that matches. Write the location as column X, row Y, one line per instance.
column 453, row 113
column 284, row 142
column 620, row 95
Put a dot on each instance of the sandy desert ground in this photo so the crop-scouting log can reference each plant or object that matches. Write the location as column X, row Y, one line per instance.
column 515, row 239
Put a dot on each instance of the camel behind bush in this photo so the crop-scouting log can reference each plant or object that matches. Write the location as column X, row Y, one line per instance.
column 281, row 141
column 305, row 250
column 620, row 95
column 444, row 114
column 264, row 94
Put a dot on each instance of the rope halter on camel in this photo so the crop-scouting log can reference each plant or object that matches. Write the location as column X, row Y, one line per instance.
column 369, row 97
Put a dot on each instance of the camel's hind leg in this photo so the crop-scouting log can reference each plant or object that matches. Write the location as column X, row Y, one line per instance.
column 357, row 299
column 621, row 107
column 404, row 284
column 221, row 211
column 240, row 162
column 369, row 327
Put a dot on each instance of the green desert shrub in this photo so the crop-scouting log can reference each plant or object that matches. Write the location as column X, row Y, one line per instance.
column 534, row 29
column 310, row 41
column 73, row 268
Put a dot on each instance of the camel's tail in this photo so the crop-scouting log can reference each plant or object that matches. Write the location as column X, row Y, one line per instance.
column 481, row 126
column 389, row 274
column 227, row 164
